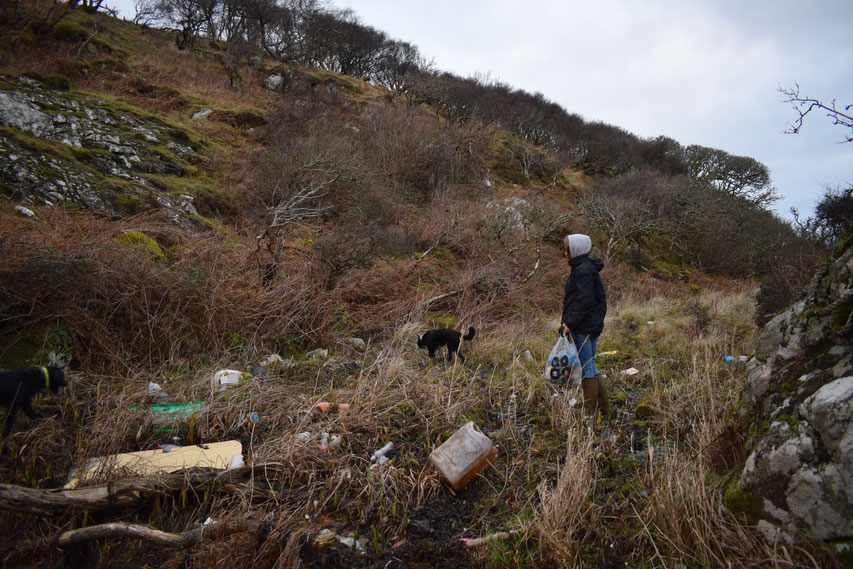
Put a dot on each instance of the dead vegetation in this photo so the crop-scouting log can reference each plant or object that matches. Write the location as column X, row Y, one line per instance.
column 359, row 217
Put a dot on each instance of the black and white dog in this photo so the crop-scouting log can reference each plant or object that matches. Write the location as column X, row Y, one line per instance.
column 434, row 339
column 18, row 387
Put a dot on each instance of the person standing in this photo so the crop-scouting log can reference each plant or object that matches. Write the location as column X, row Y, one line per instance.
column 584, row 308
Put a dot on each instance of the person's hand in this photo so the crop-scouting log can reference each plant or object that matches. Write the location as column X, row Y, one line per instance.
column 566, row 329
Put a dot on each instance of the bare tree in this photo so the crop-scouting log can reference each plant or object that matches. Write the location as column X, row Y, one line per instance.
column 804, row 105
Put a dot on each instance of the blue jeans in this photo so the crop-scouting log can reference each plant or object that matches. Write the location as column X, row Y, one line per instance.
column 587, row 346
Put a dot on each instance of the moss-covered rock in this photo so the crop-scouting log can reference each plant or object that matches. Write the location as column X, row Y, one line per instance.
column 143, row 243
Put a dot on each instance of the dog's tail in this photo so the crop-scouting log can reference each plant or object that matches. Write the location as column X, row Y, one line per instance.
column 470, row 335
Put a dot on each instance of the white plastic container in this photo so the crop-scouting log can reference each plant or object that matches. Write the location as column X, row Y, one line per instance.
column 467, row 453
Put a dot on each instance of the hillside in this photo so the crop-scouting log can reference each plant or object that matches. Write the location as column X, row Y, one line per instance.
column 192, row 210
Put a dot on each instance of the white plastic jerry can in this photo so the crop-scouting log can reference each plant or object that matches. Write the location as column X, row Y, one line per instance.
column 463, row 456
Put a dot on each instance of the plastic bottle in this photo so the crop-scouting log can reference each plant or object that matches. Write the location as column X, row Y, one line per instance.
column 463, row 456
column 379, row 454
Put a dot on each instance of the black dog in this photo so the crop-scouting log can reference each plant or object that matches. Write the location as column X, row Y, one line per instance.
column 18, row 387
column 434, row 339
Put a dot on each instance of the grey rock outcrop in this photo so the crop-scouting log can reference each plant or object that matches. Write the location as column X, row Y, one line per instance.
column 66, row 147
column 800, row 385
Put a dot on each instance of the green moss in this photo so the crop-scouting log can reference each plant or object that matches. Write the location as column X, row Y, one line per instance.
column 142, row 242
column 748, row 506
column 441, row 320
column 841, row 315
column 70, row 32
column 842, row 246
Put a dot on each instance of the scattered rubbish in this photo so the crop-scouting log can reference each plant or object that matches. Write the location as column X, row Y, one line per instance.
column 380, row 454
column 631, row 371
column 319, row 353
column 650, row 323
column 327, row 538
column 236, row 462
column 740, row 360
column 528, row 356
column 147, row 462
column 324, row 439
column 209, row 521
column 258, row 371
column 225, row 377
column 25, row 211
column 166, row 416
column 469, row 542
column 608, row 353
column 464, row 455
column 325, row 407
column 168, row 447
column 272, row 359
column 156, row 392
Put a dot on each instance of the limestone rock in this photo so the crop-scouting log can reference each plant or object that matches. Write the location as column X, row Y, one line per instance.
column 800, row 386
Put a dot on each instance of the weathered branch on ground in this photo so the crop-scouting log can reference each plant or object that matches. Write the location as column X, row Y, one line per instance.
column 488, row 538
column 426, row 304
column 132, row 491
column 213, row 530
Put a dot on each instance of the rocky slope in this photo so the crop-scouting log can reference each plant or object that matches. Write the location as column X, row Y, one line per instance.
column 800, row 385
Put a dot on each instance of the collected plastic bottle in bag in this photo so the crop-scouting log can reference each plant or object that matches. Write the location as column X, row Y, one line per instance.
column 563, row 365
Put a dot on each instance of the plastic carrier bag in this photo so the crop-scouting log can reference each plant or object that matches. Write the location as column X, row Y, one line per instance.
column 564, row 366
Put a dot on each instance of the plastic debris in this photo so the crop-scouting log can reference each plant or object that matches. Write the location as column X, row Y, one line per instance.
column 258, row 371
column 325, row 407
column 319, row 353
column 272, row 359
column 527, row 355
column 631, row 371
column 464, row 455
column 236, row 462
column 740, row 360
column 379, row 454
column 225, row 377
column 608, row 353
column 156, row 392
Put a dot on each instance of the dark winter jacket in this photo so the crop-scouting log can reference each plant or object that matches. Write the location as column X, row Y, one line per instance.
column 585, row 303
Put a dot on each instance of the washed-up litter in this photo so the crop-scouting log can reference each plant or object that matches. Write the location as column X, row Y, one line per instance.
column 631, row 371
column 464, row 455
column 740, row 360
column 225, row 377
column 319, row 353
column 608, row 353
column 378, row 457
column 272, row 359
column 327, row 538
column 325, row 407
column 650, row 323
column 528, row 356
column 325, row 441
column 166, row 416
column 147, row 462
column 156, row 392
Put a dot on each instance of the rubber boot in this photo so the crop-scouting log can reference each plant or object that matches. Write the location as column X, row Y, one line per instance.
column 589, row 386
column 603, row 399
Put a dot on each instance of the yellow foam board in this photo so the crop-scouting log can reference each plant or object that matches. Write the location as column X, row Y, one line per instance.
column 148, row 462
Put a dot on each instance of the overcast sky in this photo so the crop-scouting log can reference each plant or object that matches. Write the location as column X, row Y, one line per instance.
column 700, row 71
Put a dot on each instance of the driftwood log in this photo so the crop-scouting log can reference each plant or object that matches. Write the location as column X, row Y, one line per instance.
column 213, row 530
column 250, row 480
